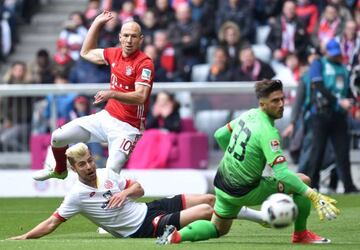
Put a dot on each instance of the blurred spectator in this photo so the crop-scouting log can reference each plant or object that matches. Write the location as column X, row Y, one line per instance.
column 42, row 69
column 231, row 40
column 160, row 72
column 357, row 19
column 166, row 54
column 17, row 73
column 184, row 34
column 63, row 103
column 6, row 41
column 343, row 11
column 220, row 70
column 91, row 11
column 149, row 26
column 251, row 68
column 330, row 26
column 86, row 72
column 127, row 12
column 164, row 113
column 164, row 13
column 308, row 14
column 266, row 10
column 290, row 73
column 114, row 5
column 15, row 112
column 350, row 43
column 203, row 12
column 109, row 34
column 239, row 12
column 288, row 34
column 74, row 32
column 330, row 104
column 62, row 58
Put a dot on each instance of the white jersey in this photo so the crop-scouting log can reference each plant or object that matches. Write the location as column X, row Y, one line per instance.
column 91, row 202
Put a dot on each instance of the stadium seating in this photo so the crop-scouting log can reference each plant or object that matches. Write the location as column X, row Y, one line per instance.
column 38, row 146
column 208, row 121
column 199, row 72
column 158, row 149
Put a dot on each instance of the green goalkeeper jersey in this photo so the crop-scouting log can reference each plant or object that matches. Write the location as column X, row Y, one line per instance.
column 250, row 142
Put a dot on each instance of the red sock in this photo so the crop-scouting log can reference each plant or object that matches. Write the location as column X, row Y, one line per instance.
column 176, row 238
column 60, row 158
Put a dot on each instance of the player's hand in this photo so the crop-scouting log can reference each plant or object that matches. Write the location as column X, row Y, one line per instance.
column 117, row 200
column 102, row 96
column 104, row 17
column 19, row 237
column 324, row 205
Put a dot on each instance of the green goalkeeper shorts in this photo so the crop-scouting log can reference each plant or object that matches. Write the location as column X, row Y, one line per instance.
column 228, row 206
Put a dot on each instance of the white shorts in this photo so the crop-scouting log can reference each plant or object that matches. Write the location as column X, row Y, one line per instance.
column 104, row 128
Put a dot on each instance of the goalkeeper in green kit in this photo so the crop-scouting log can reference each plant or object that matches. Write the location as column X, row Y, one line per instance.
column 251, row 142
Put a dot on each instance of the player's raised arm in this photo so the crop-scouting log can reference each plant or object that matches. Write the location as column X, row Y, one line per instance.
column 89, row 50
column 44, row 228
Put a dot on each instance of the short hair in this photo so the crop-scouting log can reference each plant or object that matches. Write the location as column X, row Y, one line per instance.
column 265, row 87
column 75, row 152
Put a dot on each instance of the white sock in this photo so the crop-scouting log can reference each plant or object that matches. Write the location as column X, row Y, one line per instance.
column 251, row 215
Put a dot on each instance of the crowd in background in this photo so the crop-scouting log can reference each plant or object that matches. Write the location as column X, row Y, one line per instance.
column 12, row 14
column 238, row 40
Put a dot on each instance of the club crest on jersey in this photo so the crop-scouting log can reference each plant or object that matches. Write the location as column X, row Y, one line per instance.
column 146, row 74
column 128, row 70
column 108, row 184
column 275, row 145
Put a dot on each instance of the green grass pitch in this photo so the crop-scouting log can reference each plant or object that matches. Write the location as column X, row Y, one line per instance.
column 18, row 215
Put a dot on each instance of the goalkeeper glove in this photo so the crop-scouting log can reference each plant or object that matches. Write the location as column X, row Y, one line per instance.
column 323, row 204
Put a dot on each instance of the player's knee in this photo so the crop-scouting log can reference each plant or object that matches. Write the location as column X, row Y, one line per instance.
column 209, row 199
column 57, row 139
column 116, row 163
column 206, row 211
column 306, row 179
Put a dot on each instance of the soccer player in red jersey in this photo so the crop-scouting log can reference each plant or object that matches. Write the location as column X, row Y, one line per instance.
column 121, row 122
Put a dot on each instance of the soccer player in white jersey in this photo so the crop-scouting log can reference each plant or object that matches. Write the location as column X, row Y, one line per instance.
column 107, row 199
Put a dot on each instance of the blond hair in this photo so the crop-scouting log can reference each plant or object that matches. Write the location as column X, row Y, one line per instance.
column 75, row 152
column 229, row 25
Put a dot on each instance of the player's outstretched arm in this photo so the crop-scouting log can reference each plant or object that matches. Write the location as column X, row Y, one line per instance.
column 89, row 50
column 44, row 228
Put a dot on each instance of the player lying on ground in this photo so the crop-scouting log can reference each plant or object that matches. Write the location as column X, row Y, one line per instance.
column 250, row 142
column 107, row 199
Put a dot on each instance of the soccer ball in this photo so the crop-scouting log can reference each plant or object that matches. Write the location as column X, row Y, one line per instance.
column 279, row 210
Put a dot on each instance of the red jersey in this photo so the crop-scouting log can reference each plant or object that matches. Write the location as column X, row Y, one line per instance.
column 126, row 72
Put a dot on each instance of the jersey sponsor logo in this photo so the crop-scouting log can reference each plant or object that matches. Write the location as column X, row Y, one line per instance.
column 275, row 145
column 91, row 194
column 128, row 70
column 108, row 184
column 107, row 195
column 279, row 159
column 146, row 74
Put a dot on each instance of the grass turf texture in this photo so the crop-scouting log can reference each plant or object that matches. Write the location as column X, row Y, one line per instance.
column 18, row 215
